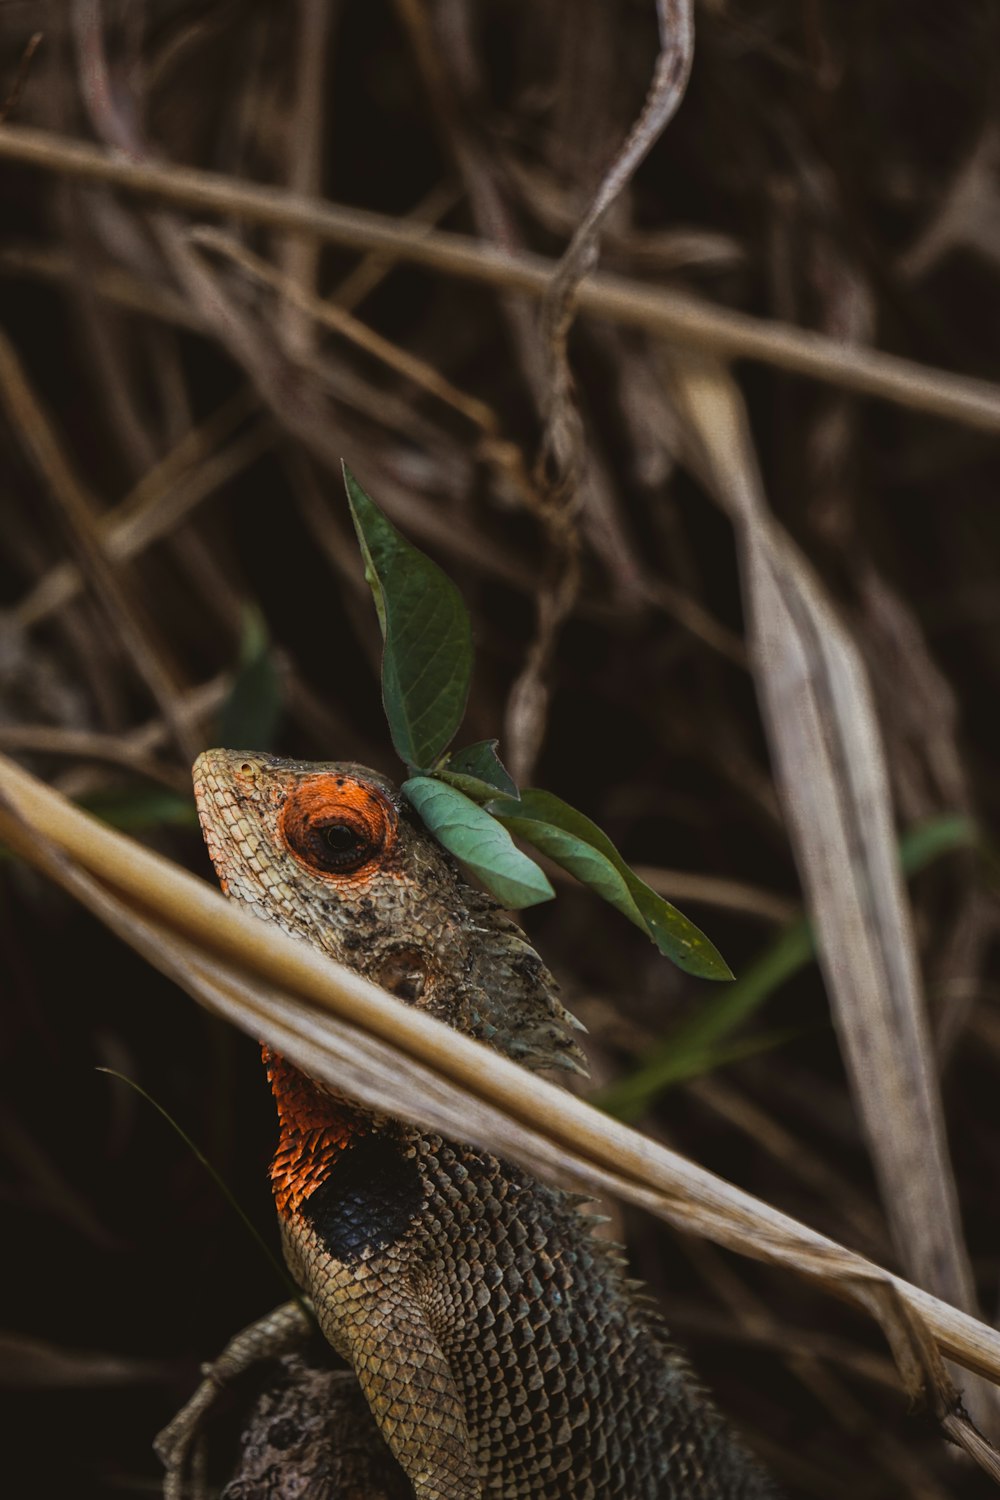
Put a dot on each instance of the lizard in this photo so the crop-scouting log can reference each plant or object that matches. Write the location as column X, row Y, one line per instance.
column 501, row 1347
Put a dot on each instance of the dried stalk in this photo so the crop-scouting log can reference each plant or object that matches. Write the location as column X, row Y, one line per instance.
column 684, row 320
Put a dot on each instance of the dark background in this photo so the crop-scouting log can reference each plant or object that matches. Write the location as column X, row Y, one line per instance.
column 834, row 166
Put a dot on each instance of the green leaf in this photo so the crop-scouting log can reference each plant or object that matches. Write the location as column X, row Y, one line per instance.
column 672, row 932
column 251, row 712
column 427, row 659
column 478, row 840
column 479, row 772
column 581, row 859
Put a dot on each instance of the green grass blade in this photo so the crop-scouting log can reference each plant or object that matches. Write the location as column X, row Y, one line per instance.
column 220, row 1183
column 704, row 1035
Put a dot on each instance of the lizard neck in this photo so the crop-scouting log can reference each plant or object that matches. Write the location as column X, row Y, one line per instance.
column 315, row 1130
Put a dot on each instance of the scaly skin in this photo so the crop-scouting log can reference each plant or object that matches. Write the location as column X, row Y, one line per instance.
column 499, row 1346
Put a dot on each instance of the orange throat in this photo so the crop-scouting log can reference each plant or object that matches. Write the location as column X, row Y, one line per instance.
column 315, row 1130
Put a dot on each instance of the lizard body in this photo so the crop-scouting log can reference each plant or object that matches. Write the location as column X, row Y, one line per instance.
column 499, row 1345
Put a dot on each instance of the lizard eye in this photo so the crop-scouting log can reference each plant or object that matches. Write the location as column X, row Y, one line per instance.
column 337, row 825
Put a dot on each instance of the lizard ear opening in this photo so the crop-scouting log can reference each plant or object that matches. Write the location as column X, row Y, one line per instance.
column 337, row 826
column 403, row 971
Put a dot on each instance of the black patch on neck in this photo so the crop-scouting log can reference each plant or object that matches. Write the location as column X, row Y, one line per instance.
column 369, row 1200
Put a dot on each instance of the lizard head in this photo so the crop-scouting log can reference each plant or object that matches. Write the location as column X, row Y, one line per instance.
column 334, row 854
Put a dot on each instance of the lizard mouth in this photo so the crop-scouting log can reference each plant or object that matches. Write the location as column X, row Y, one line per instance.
column 209, row 791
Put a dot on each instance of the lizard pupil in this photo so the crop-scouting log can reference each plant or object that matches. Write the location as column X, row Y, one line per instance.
column 341, row 839
column 338, row 848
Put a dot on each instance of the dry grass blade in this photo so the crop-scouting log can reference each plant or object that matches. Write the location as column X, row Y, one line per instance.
column 42, row 443
column 831, row 773
column 198, row 708
column 735, row 895
column 331, row 316
column 120, row 288
column 192, row 472
column 342, row 1028
column 683, row 319
column 13, row 99
column 300, row 258
column 731, row 895
column 42, row 1365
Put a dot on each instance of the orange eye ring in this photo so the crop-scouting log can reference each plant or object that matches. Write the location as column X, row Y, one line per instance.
column 336, row 825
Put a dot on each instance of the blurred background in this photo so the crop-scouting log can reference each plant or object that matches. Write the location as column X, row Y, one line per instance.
column 177, row 568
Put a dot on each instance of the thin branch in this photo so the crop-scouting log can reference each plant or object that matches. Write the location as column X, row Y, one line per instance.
column 562, row 444
column 682, row 319
column 732, row 895
column 123, row 288
column 562, row 452
column 88, row 744
column 338, row 320
column 195, row 708
column 161, row 499
column 13, row 99
column 315, row 21
column 43, row 444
